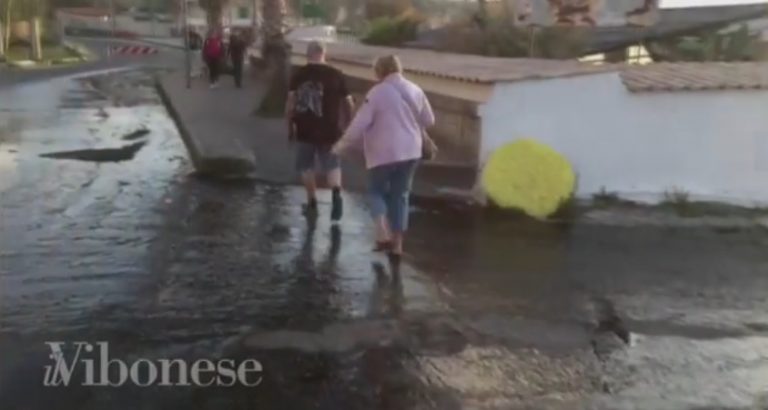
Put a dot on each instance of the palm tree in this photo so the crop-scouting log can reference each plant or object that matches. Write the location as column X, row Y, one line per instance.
column 276, row 53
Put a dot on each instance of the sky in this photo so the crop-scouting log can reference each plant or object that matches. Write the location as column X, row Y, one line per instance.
column 692, row 3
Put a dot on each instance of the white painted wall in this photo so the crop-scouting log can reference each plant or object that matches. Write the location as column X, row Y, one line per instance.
column 713, row 145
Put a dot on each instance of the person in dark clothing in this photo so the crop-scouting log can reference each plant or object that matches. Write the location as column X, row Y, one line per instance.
column 236, row 51
column 196, row 49
column 319, row 108
column 195, row 40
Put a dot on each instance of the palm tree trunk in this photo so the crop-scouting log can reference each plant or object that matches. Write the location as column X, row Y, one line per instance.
column 2, row 41
column 214, row 10
column 276, row 53
column 37, row 47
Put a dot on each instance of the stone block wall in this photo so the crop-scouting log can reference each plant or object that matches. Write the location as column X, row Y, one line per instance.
column 457, row 128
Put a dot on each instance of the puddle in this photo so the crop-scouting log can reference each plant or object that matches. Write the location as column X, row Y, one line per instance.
column 125, row 153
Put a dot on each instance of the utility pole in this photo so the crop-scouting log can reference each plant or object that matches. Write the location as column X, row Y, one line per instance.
column 187, row 51
column 153, row 22
column 113, row 17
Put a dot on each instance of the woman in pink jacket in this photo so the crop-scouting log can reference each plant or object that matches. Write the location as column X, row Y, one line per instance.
column 390, row 125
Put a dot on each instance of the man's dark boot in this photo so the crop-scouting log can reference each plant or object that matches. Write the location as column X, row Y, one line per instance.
column 337, row 209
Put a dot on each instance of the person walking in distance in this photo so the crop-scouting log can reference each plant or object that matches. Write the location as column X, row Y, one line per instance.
column 319, row 107
column 213, row 50
column 236, row 51
column 196, row 47
column 391, row 125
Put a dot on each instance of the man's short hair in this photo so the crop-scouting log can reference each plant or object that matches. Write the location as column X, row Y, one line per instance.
column 315, row 48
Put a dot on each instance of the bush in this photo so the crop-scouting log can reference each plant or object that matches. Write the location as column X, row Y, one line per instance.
column 501, row 39
column 389, row 31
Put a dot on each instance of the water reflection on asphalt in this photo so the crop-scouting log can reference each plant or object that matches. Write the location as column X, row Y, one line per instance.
column 487, row 312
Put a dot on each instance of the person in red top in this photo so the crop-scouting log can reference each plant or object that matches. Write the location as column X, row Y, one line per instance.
column 213, row 52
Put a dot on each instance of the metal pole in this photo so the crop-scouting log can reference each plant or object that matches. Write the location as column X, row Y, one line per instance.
column 113, row 17
column 2, row 40
column 153, row 22
column 187, row 51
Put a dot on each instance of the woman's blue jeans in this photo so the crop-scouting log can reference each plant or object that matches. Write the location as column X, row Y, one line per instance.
column 389, row 187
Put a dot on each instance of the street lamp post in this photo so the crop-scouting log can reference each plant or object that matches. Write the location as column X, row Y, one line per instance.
column 153, row 16
column 187, row 51
column 113, row 17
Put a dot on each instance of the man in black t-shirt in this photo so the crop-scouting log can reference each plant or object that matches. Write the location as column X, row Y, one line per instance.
column 318, row 110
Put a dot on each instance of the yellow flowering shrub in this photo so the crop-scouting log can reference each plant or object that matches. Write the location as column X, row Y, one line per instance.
column 529, row 176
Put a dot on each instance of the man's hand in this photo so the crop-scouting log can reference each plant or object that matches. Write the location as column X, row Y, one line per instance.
column 291, row 132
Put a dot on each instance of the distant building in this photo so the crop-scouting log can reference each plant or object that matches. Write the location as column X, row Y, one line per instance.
column 237, row 13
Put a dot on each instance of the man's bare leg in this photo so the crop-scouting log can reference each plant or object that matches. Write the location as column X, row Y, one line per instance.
column 310, row 186
column 334, row 178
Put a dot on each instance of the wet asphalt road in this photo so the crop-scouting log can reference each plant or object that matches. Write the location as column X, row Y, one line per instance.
column 107, row 236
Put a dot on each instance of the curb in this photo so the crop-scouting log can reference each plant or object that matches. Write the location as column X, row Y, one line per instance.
column 192, row 147
column 223, row 167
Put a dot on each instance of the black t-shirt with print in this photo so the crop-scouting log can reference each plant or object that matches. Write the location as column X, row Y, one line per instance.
column 319, row 91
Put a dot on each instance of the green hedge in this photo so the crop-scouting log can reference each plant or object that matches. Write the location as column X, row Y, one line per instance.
column 392, row 31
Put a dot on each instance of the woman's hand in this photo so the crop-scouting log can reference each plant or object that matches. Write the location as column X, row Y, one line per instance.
column 338, row 148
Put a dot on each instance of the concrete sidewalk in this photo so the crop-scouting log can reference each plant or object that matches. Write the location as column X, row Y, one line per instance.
column 225, row 138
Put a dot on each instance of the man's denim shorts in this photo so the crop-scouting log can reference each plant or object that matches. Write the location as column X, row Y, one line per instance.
column 312, row 156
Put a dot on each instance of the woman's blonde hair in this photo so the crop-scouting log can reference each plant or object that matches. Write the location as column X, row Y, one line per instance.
column 387, row 65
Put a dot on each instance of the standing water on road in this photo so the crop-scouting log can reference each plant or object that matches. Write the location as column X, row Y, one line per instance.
column 106, row 236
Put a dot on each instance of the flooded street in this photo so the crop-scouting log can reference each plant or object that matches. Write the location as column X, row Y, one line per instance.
column 106, row 235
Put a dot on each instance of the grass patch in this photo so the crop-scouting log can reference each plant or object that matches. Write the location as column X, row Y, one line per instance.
column 50, row 53
column 605, row 198
column 680, row 201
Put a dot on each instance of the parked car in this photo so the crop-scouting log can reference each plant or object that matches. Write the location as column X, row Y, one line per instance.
column 142, row 14
column 164, row 18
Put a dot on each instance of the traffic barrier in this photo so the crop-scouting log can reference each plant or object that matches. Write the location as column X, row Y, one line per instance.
column 132, row 50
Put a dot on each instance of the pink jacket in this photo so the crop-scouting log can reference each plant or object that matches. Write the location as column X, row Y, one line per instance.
column 386, row 124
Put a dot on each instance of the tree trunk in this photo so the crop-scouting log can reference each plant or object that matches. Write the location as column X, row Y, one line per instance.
column 2, row 41
column 214, row 16
column 483, row 10
column 37, row 48
column 256, row 20
column 276, row 53
column 214, row 11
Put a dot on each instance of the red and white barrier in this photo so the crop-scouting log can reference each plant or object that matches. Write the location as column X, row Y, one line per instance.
column 132, row 50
